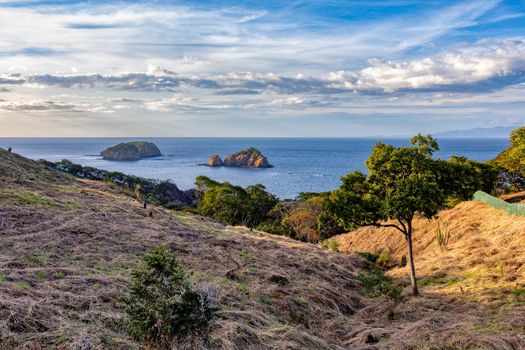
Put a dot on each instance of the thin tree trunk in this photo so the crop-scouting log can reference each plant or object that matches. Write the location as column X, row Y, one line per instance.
column 413, row 279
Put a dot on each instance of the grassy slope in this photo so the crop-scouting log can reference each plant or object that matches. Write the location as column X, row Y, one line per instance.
column 483, row 263
column 67, row 248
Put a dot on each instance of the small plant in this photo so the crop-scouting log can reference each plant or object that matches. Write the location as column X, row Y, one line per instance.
column 23, row 285
column 369, row 256
column 3, row 278
column 384, row 258
column 330, row 244
column 376, row 283
column 40, row 276
column 442, row 236
column 164, row 307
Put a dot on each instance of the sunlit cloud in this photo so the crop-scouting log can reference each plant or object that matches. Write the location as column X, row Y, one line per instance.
column 167, row 60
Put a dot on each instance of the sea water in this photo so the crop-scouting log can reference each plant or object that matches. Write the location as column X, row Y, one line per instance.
column 299, row 164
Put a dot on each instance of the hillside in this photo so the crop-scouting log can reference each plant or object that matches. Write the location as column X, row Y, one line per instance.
column 483, row 260
column 68, row 247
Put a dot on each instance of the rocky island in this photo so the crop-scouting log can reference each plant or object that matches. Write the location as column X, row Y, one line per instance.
column 248, row 158
column 131, row 151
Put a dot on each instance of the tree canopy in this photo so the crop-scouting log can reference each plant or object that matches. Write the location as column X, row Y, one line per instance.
column 403, row 182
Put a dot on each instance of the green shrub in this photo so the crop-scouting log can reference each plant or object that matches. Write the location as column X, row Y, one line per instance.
column 272, row 228
column 369, row 256
column 330, row 244
column 376, row 283
column 164, row 308
column 384, row 258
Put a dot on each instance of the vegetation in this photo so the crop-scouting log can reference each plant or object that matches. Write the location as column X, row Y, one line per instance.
column 512, row 163
column 162, row 193
column 231, row 204
column 164, row 307
column 376, row 283
column 402, row 182
column 442, row 236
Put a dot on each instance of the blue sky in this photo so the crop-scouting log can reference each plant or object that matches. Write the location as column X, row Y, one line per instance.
column 259, row 68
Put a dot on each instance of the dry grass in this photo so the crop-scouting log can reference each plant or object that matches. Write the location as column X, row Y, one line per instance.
column 484, row 259
column 473, row 289
column 62, row 268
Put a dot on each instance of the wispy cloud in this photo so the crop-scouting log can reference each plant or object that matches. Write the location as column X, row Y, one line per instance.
column 226, row 58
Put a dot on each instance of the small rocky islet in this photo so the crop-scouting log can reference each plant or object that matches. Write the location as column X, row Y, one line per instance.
column 131, row 151
column 248, row 158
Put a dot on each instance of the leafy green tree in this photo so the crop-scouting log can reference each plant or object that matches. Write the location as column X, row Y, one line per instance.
column 164, row 307
column 260, row 202
column 233, row 204
column 401, row 183
column 512, row 163
column 461, row 177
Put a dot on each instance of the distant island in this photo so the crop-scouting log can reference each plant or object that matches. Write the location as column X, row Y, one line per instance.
column 248, row 158
column 131, row 151
column 495, row 132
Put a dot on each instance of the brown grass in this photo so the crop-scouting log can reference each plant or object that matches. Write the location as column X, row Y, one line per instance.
column 63, row 266
column 61, row 270
column 484, row 259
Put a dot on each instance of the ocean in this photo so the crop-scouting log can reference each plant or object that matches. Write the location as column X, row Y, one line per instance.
column 300, row 164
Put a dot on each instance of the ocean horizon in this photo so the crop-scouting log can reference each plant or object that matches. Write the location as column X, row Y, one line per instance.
column 300, row 164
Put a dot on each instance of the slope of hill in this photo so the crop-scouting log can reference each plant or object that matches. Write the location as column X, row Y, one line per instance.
column 68, row 246
column 483, row 260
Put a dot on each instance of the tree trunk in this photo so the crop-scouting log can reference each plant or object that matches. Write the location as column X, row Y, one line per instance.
column 413, row 279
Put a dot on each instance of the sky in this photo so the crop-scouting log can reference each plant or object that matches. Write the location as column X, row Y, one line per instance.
column 319, row 68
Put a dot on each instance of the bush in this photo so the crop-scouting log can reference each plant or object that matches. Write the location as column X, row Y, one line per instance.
column 330, row 244
column 384, row 258
column 272, row 228
column 231, row 204
column 164, row 307
column 376, row 283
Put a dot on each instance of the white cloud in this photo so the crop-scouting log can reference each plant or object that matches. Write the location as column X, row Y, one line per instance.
column 504, row 61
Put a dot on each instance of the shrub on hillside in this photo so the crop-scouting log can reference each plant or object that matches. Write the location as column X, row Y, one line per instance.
column 511, row 163
column 165, row 309
column 231, row 204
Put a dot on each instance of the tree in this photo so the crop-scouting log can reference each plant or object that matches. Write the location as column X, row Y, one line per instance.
column 260, row 202
column 302, row 218
column 512, row 163
column 233, row 204
column 164, row 307
column 402, row 182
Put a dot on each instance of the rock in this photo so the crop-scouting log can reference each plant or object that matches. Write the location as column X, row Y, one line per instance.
column 215, row 160
column 131, row 151
column 248, row 158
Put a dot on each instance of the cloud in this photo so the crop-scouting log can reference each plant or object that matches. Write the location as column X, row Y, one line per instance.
column 226, row 92
column 35, row 106
column 487, row 66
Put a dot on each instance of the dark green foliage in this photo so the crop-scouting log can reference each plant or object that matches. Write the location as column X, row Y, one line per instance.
column 231, row 204
column 162, row 193
column 376, row 284
column 163, row 306
column 460, row 177
column 273, row 228
column 369, row 256
column 511, row 163
column 402, row 182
